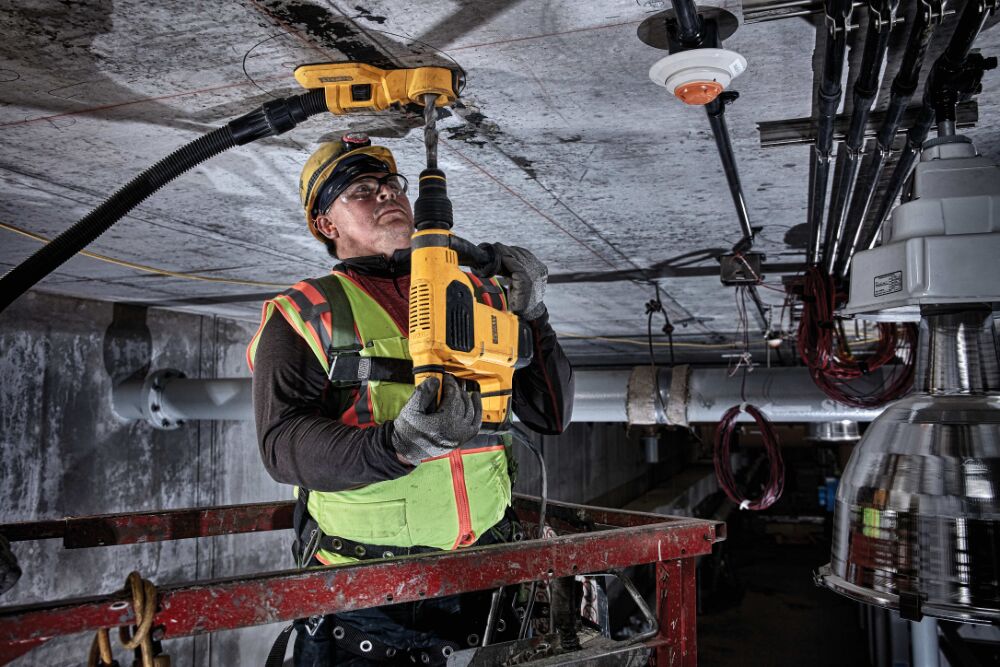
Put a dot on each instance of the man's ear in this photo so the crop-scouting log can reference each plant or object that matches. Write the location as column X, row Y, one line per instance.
column 326, row 226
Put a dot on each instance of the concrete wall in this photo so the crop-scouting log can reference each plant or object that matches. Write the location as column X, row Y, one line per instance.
column 66, row 453
column 590, row 463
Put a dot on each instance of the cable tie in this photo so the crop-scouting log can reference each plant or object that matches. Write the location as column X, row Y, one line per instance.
column 745, row 505
column 743, row 407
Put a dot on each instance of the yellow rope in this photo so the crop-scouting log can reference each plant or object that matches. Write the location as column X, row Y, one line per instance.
column 144, row 607
column 143, row 267
column 100, row 650
column 139, row 636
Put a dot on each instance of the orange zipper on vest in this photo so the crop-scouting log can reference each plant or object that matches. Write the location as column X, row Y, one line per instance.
column 465, row 534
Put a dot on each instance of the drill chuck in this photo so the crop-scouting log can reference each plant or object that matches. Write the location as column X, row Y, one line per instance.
column 432, row 210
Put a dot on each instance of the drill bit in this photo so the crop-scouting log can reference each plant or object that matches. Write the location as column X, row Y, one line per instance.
column 430, row 131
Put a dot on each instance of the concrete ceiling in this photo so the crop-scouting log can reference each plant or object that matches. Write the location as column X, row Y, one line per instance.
column 561, row 144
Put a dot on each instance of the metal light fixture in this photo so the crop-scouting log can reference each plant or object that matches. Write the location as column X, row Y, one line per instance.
column 917, row 519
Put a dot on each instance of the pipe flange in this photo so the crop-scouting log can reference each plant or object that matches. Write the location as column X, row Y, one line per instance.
column 153, row 389
column 654, row 30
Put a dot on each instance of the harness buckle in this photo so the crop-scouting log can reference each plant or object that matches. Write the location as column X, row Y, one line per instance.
column 311, row 547
column 313, row 624
column 333, row 376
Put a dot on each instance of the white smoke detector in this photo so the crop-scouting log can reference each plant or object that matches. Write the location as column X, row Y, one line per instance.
column 699, row 75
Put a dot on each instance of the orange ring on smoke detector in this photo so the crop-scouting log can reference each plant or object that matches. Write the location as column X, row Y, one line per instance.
column 698, row 92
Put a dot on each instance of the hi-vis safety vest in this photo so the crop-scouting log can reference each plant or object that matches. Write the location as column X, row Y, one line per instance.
column 446, row 502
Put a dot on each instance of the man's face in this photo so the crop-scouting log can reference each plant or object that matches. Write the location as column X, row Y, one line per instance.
column 368, row 218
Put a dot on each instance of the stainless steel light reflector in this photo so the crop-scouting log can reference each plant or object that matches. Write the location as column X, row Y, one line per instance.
column 917, row 520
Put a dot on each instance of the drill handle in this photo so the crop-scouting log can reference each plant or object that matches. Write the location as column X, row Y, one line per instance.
column 418, row 379
column 483, row 259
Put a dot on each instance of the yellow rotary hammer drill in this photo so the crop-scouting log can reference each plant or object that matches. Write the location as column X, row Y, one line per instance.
column 450, row 331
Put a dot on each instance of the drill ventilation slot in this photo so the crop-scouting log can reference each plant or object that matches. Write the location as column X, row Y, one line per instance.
column 420, row 312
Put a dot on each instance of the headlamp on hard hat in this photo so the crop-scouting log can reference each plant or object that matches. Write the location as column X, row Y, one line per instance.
column 333, row 166
column 349, row 169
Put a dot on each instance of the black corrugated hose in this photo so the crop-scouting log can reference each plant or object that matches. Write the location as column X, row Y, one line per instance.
column 273, row 118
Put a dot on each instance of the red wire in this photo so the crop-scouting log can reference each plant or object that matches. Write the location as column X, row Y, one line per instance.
column 818, row 347
column 722, row 459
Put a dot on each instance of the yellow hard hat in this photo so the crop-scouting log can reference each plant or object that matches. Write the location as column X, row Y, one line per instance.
column 332, row 168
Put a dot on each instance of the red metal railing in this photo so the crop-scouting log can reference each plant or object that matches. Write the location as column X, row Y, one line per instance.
column 589, row 540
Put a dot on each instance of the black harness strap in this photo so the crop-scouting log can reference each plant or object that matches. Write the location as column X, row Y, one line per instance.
column 276, row 656
column 360, row 643
column 342, row 336
column 362, row 551
column 349, row 369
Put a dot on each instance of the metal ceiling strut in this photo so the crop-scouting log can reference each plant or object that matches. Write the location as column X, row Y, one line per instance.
column 589, row 540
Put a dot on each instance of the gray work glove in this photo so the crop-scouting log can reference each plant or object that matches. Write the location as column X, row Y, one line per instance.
column 527, row 280
column 422, row 432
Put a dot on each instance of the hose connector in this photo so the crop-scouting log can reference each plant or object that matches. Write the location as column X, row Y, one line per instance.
column 276, row 117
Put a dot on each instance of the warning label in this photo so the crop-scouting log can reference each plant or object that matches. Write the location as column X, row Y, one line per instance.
column 889, row 283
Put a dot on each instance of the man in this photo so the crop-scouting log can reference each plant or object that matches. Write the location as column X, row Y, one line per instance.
column 380, row 471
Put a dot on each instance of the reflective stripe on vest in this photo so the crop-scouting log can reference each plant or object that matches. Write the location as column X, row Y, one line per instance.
column 445, row 502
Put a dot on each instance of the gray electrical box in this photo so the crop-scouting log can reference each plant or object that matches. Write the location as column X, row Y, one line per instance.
column 941, row 247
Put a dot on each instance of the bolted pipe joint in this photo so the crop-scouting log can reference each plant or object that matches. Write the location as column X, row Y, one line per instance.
column 166, row 399
column 143, row 399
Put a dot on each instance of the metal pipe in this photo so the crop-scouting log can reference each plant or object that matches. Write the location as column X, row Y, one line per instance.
column 166, row 399
column 689, row 395
column 970, row 24
column 600, row 396
column 881, row 16
column 907, row 161
column 702, row 395
column 838, row 18
column 928, row 16
column 716, row 111
column 924, row 638
column 691, row 28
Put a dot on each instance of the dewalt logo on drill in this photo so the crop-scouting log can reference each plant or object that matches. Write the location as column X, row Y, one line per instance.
column 493, row 324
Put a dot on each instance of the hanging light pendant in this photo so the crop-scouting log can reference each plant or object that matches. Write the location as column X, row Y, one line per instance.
column 917, row 520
